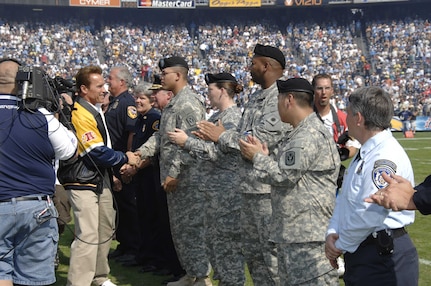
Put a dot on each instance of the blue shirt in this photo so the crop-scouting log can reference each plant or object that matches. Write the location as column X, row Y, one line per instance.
column 121, row 120
column 405, row 115
column 145, row 126
column 353, row 219
column 29, row 143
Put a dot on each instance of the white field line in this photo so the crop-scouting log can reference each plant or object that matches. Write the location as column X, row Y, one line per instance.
column 421, row 138
column 424, row 261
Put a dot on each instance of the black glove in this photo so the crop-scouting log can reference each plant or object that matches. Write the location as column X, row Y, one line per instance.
column 344, row 138
column 344, row 153
column 65, row 115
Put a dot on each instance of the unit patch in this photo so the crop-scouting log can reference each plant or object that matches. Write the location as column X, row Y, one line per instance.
column 155, row 125
column 289, row 158
column 381, row 166
column 132, row 112
column 191, row 121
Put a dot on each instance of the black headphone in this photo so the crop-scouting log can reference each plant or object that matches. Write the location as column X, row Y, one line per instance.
column 10, row 60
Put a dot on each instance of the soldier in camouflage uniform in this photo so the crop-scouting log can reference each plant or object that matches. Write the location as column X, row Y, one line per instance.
column 219, row 182
column 185, row 202
column 302, row 171
column 261, row 119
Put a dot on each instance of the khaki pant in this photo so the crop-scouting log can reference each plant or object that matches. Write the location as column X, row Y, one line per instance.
column 94, row 223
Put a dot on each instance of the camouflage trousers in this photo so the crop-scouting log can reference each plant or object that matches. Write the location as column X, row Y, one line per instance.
column 260, row 253
column 223, row 234
column 305, row 264
column 186, row 218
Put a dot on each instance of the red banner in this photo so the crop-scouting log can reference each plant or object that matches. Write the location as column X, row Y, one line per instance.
column 95, row 3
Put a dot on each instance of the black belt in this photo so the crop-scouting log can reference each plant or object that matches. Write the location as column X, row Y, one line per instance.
column 396, row 232
column 21, row 199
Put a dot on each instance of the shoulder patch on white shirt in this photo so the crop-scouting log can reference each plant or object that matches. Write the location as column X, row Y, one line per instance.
column 381, row 166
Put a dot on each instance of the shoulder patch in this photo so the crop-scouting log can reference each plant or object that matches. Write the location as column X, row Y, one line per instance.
column 191, row 120
column 381, row 166
column 132, row 112
column 290, row 159
column 155, row 125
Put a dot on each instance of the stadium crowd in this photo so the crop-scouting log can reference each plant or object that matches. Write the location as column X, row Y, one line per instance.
column 356, row 51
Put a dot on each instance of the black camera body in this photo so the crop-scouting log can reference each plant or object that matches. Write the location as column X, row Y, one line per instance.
column 36, row 89
column 343, row 151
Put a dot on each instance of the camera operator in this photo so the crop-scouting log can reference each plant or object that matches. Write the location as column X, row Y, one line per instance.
column 30, row 141
column 334, row 119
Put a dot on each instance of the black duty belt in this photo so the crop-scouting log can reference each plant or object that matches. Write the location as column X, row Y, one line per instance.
column 396, row 232
column 21, row 199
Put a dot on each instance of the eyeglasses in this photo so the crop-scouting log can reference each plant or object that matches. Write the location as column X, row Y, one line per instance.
column 325, row 88
column 163, row 74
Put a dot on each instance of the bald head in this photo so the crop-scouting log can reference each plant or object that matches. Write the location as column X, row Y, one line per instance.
column 8, row 70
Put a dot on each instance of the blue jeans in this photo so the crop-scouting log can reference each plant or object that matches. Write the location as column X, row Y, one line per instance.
column 406, row 126
column 28, row 242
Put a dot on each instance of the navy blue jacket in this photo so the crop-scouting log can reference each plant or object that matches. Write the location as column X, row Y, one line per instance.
column 422, row 198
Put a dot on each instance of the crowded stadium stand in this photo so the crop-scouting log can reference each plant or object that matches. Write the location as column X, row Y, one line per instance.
column 380, row 45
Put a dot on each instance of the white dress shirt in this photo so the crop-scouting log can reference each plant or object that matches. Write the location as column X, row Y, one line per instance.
column 353, row 219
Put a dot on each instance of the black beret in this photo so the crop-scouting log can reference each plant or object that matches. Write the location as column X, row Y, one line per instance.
column 270, row 52
column 157, row 83
column 173, row 62
column 294, row 84
column 219, row 77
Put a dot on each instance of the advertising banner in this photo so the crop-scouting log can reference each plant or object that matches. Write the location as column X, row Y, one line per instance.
column 95, row 3
column 301, row 3
column 313, row 3
column 375, row 1
column 175, row 4
column 235, row 3
column 423, row 123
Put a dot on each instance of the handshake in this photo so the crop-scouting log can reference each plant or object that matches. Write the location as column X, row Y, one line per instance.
column 135, row 163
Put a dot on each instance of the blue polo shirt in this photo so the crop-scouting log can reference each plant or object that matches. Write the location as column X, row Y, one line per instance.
column 121, row 119
column 26, row 153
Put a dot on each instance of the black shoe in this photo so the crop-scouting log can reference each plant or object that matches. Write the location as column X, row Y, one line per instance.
column 125, row 258
column 172, row 279
column 148, row 268
column 162, row 272
column 116, row 253
column 131, row 263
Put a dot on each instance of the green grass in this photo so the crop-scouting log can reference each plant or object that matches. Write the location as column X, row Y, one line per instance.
column 419, row 151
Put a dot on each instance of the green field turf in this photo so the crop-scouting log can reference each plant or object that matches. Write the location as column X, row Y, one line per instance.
column 419, row 151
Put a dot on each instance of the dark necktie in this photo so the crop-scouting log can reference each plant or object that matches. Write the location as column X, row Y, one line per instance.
column 358, row 156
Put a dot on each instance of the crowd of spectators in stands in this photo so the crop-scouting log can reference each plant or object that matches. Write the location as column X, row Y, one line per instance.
column 394, row 54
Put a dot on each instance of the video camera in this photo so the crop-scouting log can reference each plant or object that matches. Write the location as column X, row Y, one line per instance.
column 37, row 89
column 343, row 151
